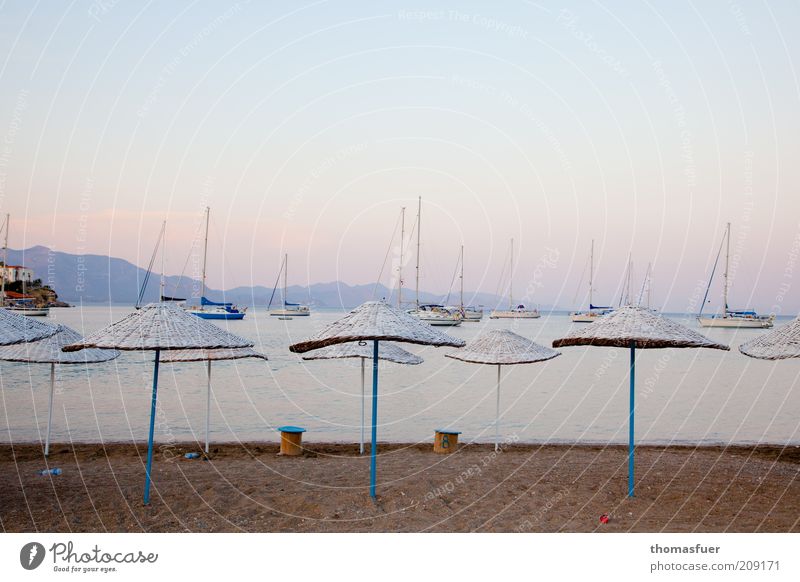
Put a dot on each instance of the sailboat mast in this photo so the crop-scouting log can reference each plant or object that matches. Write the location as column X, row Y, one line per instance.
column 462, row 278
column 625, row 294
column 511, row 278
column 591, row 274
column 645, row 285
column 400, row 268
column 205, row 258
column 628, row 300
column 285, row 277
column 419, row 225
column 163, row 252
column 5, row 260
column 727, row 265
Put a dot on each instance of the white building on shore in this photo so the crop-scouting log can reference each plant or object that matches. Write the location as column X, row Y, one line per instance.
column 14, row 273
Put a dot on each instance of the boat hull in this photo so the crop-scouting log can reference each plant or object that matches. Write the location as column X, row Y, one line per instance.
column 470, row 314
column 289, row 313
column 217, row 315
column 587, row 316
column 514, row 315
column 735, row 322
column 583, row 318
column 442, row 322
column 33, row 312
column 439, row 319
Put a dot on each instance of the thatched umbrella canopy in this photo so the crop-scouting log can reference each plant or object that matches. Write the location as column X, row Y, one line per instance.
column 780, row 344
column 157, row 327
column 161, row 326
column 636, row 327
column 640, row 326
column 502, row 347
column 178, row 356
column 386, row 351
column 48, row 351
column 17, row 329
column 376, row 321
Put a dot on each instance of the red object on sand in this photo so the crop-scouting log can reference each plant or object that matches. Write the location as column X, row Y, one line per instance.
column 604, row 518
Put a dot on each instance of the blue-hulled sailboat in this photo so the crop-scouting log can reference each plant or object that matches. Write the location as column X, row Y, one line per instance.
column 211, row 309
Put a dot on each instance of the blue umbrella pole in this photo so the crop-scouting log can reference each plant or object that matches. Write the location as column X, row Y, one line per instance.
column 630, row 419
column 152, row 429
column 373, row 461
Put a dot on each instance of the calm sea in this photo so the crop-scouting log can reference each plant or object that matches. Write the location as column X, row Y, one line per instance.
column 683, row 396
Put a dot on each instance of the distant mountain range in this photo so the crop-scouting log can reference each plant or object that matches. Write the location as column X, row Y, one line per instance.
column 100, row 279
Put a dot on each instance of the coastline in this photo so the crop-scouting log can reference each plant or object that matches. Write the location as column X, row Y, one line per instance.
column 524, row 488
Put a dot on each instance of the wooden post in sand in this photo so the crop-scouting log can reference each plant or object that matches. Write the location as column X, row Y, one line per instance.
column 445, row 441
column 291, row 440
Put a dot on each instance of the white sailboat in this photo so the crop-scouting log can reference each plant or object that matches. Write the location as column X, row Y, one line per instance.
column 430, row 313
column 289, row 309
column 514, row 311
column 402, row 257
column 594, row 311
column 645, row 291
column 162, row 235
column 468, row 312
column 746, row 318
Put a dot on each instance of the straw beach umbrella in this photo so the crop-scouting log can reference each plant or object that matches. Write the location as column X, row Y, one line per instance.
column 502, row 347
column 17, row 329
column 376, row 321
column 636, row 327
column 780, row 344
column 48, row 351
column 177, row 356
column 157, row 327
column 362, row 350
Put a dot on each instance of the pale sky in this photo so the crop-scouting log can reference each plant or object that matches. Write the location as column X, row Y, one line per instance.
column 307, row 125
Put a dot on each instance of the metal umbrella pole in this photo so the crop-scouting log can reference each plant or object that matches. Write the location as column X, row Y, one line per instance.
column 208, row 404
column 373, row 462
column 631, row 418
column 152, row 429
column 497, row 414
column 50, row 408
column 363, row 398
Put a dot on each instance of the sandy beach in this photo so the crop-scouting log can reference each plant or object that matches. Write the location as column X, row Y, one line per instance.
column 524, row 488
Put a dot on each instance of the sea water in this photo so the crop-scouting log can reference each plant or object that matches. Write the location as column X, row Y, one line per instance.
column 682, row 395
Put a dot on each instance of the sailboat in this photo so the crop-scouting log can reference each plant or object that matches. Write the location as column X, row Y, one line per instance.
column 468, row 312
column 149, row 271
column 24, row 306
column 140, row 299
column 645, row 291
column 729, row 317
column 594, row 311
column 513, row 311
column 625, row 294
column 211, row 309
column 289, row 309
column 431, row 313
column 402, row 257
